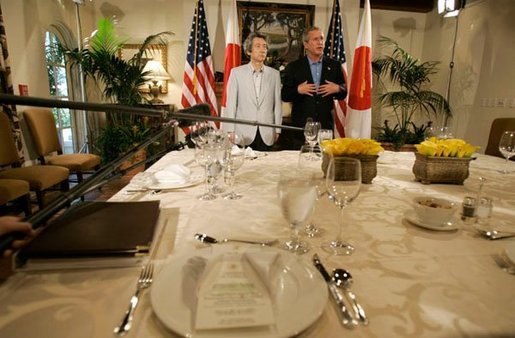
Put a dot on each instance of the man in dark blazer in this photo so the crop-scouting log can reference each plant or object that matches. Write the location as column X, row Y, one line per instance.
column 312, row 83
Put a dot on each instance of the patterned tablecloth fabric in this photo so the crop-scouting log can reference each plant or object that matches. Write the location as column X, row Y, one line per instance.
column 412, row 282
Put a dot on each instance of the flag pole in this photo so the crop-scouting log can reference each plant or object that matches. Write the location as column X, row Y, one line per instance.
column 194, row 80
column 333, row 24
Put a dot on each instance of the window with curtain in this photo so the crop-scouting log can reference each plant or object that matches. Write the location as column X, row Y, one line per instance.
column 58, row 80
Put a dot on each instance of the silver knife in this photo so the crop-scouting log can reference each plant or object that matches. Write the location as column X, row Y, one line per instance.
column 346, row 318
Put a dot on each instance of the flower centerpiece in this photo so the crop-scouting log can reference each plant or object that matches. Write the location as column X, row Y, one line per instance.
column 366, row 150
column 443, row 161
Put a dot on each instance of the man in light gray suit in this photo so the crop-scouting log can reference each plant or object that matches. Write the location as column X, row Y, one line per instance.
column 254, row 93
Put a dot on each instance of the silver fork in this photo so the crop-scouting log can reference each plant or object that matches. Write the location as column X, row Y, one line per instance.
column 144, row 281
column 504, row 264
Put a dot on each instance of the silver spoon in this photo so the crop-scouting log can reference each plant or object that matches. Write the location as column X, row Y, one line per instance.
column 343, row 279
column 494, row 234
column 211, row 240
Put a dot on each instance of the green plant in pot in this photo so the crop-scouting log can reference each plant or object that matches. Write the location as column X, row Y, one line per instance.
column 120, row 81
column 403, row 83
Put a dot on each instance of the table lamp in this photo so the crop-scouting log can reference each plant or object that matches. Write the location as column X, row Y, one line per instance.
column 155, row 73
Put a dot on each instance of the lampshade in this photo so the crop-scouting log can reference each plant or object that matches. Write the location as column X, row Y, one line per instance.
column 450, row 8
column 155, row 70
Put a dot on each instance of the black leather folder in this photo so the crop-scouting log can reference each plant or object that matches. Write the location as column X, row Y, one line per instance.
column 96, row 230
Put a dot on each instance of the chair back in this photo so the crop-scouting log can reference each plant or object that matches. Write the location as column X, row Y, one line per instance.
column 498, row 127
column 8, row 151
column 41, row 125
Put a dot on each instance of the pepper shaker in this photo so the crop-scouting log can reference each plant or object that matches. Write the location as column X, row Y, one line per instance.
column 468, row 214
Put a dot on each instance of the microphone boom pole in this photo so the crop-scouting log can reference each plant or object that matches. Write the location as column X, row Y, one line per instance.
column 195, row 113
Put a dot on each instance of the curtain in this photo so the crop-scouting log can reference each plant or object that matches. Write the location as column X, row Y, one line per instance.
column 6, row 87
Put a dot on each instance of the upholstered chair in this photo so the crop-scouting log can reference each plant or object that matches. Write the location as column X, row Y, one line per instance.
column 39, row 177
column 16, row 191
column 499, row 126
column 41, row 125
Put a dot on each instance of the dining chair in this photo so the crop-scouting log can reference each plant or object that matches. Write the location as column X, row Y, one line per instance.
column 40, row 177
column 16, row 191
column 43, row 131
column 499, row 126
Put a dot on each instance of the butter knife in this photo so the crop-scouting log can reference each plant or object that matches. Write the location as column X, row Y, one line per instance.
column 345, row 316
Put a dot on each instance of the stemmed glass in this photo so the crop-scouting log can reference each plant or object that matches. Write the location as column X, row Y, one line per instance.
column 198, row 132
column 342, row 187
column 234, row 158
column 297, row 194
column 507, row 147
column 209, row 155
column 324, row 134
column 310, row 161
column 311, row 129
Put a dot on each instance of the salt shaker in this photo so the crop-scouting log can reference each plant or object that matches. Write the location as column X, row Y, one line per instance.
column 484, row 209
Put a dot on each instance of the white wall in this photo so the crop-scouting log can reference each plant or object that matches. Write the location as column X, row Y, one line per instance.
column 484, row 48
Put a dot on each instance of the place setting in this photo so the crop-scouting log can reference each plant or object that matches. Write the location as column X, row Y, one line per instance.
column 171, row 177
column 235, row 290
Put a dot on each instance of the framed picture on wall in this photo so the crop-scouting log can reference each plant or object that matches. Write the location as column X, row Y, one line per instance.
column 282, row 23
column 156, row 52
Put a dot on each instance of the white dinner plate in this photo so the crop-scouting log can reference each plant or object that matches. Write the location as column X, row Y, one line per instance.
column 194, row 179
column 299, row 297
column 509, row 251
column 412, row 218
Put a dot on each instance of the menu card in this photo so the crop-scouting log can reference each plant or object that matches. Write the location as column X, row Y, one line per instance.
column 232, row 294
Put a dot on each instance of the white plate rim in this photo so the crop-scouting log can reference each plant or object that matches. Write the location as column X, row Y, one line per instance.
column 316, row 291
column 411, row 217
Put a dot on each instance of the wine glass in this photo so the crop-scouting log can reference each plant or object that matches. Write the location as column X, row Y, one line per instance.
column 208, row 156
column 234, row 158
column 310, row 160
column 311, row 129
column 198, row 132
column 324, row 134
column 297, row 194
column 343, row 181
column 507, row 147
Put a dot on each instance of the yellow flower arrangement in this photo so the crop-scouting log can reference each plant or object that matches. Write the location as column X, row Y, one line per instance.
column 351, row 146
column 446, row 147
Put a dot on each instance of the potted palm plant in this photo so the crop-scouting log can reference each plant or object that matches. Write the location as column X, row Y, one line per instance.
column 121, row 81
column 403, row 85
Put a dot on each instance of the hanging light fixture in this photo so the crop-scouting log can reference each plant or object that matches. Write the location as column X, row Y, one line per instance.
column 449, row 9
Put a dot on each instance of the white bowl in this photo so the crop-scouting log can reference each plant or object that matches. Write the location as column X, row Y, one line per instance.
column 434, row 210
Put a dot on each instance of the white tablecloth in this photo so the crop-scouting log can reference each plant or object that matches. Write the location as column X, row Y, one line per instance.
column 412, row 282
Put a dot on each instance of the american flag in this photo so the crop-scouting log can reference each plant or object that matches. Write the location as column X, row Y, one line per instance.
column 199, row 79
column 334, row 49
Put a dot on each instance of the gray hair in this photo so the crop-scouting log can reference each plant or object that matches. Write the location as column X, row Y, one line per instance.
column 305, row 34
column 247, row 45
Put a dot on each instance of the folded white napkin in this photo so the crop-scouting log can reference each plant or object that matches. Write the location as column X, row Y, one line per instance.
column 175, row 173
column 232, row 289
column 263, row 264
column 235, row 150
column 249, row 152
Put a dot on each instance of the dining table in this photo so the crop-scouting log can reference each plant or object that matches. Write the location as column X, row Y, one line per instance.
column 411, row 281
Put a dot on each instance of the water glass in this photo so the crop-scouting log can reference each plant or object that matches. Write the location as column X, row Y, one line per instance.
column 324, row 134
column 311, row 129
column 233, row 160
column 296, row 191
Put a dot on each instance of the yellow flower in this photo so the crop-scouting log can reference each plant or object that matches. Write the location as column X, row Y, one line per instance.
column 351, row 146
column 446, row 147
